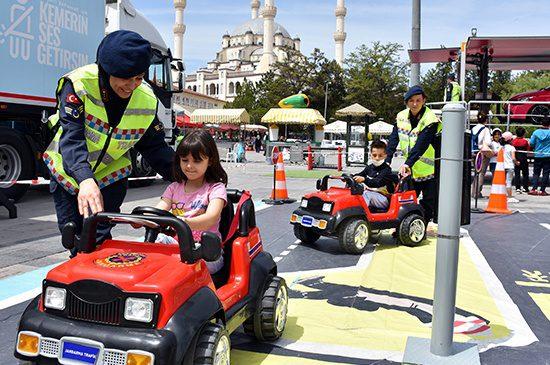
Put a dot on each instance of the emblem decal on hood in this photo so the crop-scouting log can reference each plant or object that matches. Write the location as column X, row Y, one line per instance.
column 121, row 259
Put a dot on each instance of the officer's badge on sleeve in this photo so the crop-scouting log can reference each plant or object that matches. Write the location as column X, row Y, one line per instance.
column 73, row 112
column 73, row 99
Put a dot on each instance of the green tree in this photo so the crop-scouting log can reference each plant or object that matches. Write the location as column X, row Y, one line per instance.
column 434, row 81
column 528, row 81
column 377, row 79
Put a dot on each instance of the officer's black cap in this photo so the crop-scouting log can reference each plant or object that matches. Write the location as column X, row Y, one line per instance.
column 124, row 54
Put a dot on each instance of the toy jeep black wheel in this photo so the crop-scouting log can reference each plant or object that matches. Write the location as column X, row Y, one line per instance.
column 269, row 320
column 305, row 235
column 412, row 230
column 354, row 235
column 213, row 346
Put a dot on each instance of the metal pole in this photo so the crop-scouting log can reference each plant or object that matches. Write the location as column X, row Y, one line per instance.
column 326, row 100
column 452, row 154
column 415, row 41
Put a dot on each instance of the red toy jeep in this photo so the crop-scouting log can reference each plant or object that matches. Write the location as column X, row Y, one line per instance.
column 142, row 303
column 342, row 212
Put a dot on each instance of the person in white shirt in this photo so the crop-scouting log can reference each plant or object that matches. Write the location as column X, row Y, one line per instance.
column 495, row 147
column 509, row 163
column 482, row 134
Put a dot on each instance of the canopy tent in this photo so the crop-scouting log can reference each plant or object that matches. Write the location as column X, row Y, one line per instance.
column 354, row 110
column 220, row 116
column 339, row 127
column 293, row 116
column 253, row 127
column 381, row 128
column 183, row 119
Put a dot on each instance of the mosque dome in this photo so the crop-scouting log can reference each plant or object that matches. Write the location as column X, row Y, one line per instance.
column 257, row 27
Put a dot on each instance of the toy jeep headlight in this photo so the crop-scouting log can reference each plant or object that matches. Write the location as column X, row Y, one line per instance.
column 303, row 204
column 327, row 207
column 138, row 309
column 55, row 298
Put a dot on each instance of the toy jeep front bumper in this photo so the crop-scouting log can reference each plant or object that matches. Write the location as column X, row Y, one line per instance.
column 321, row 223
column 114, row 343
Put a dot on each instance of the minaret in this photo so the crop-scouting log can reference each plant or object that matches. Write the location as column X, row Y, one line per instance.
column 340, row 35
column 179, row 28
column 255, row 8
column 268, row 13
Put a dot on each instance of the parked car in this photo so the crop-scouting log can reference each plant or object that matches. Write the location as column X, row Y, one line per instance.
column 529, row 113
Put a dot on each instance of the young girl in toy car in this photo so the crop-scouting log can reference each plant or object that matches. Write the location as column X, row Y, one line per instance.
column 198, row 194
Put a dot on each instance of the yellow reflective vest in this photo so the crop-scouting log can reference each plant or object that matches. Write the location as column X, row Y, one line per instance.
column 115, row 163
column 424, row 168
column 456, row 93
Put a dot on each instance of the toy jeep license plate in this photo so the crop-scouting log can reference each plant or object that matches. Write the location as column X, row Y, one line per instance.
column 307, row 221
column 79, row 352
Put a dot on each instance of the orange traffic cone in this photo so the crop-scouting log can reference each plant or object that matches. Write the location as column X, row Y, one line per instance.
column 498, row 200
column 279, row 194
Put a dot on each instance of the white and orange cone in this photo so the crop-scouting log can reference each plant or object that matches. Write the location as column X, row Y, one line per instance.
column 279, row 193
column 498, row 200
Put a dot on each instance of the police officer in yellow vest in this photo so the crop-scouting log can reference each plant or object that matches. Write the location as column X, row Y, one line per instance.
column 453, row 91
column 415, row 133
column 104, row 110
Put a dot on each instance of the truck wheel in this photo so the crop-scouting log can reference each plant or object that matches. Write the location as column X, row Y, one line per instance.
column 354, row 236
column 140, row 168
column 213, row 346
column 412, row 230
column 269, row 320
column 305, row 235
column 16, row 163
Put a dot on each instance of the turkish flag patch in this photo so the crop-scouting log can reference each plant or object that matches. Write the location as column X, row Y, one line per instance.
column 72, row 98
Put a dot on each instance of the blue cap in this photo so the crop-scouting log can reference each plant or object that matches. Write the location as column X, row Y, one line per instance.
column 414, row 90
column 124, row 54
column 451, row 76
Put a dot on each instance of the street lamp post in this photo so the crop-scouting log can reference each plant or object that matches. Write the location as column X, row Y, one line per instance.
column 326, row 99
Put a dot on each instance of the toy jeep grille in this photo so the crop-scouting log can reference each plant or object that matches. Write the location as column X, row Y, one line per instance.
column 315, row 204
column 106, row 313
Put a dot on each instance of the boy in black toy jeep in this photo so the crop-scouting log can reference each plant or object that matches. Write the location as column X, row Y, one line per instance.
column 377, row 177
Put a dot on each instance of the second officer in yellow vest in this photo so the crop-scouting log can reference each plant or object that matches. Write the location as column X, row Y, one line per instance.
column 415, row 133
column 104, row 110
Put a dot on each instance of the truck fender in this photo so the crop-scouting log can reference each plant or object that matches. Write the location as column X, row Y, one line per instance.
column 187, row 321
column 407, row 209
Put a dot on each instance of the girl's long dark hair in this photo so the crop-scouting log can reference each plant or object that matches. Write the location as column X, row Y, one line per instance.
column 200, row 144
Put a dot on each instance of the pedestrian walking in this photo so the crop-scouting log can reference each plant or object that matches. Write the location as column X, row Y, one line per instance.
column 521, row 169
column 481, row 141
column 104, row 110
column 540, row 143
column 509, row 163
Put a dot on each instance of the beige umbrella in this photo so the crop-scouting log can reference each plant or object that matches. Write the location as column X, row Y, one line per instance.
column 354, row 110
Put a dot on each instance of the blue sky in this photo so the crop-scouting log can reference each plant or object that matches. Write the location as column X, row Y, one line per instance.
column 443, row 22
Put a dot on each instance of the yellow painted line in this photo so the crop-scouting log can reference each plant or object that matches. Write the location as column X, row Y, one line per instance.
column 531, row 283
column 543, row 301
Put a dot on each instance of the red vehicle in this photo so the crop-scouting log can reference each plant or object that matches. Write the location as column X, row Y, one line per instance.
column 530, row 113
column 341, row 212
column 144, row 303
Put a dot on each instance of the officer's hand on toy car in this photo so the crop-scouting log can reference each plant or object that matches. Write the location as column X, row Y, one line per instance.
column 404, row 171
column 359, row 179
column 89, row 198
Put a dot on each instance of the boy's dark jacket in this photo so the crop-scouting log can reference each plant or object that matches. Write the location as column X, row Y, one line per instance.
column 377, row 177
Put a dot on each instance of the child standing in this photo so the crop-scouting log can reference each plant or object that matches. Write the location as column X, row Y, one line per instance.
column 495, row 147
column 377, row 177
column 521, row 169
column 509, row 163
column 198, row 194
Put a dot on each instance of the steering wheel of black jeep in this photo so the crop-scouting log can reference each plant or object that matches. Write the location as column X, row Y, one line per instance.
column 151, row 233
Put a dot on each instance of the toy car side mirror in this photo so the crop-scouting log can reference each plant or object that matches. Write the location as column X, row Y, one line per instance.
column 68, row 235
column 211, row 246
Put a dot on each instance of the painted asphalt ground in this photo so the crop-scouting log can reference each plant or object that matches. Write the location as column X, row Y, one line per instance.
column 507, row 249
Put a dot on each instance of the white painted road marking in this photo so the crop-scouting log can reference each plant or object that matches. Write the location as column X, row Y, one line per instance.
column 546, row 225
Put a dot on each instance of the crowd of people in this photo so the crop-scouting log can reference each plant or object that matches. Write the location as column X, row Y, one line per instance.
column 518, row 150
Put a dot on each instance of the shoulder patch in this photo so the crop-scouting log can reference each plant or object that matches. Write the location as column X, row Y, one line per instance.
column 73, row 99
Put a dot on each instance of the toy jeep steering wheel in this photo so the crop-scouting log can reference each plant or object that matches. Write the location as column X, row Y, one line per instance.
column 151, row 233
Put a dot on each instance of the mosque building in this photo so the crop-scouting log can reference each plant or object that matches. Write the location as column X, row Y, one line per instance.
column 248, row 51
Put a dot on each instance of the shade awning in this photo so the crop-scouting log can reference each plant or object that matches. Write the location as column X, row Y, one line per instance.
column 293, row 116
column 354, row 110
column 381, row 128
column 253, row 127
column 433, row 55
column 336, row 127
column 220, row 116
